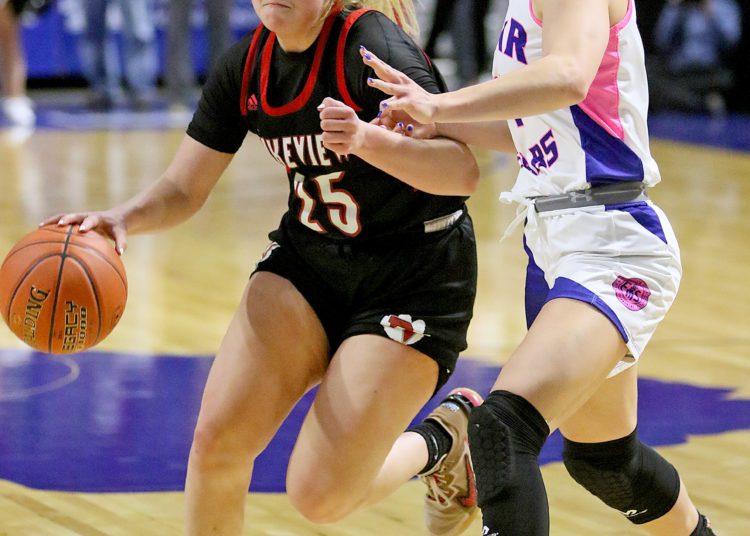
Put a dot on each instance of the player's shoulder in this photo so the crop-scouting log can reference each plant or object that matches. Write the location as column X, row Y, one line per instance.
column 376, row 32
column 231, row 64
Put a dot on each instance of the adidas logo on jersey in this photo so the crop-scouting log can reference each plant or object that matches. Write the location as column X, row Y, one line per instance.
column 252, row 103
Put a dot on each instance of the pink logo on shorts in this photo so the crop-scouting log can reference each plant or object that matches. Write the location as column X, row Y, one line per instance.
column 633, row 293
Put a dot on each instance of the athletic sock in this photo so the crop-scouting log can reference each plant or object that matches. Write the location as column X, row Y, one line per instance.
column 438, row 440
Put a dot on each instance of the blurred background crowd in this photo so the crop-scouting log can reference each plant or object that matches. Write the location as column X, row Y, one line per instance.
column 141, row 55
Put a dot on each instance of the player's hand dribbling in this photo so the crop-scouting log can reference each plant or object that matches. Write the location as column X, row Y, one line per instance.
column 406, row 95
column 343, row 131
column 106, row 222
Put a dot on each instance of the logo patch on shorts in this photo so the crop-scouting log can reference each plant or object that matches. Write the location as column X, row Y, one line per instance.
column 403, row 329
column 632, row 292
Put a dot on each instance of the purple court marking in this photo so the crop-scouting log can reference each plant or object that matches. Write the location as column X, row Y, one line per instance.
column 126, row 422
column 731, row 132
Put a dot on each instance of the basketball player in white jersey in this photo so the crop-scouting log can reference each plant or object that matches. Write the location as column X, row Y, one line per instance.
column 569, row 96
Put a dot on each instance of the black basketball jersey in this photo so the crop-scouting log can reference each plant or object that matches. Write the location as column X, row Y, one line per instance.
column 275, row 94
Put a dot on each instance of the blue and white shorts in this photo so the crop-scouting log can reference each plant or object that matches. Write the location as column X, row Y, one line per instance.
column 622, row 258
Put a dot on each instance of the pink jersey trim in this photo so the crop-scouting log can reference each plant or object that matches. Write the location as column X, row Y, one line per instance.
column 531, row 12
column 626, row 19
column 602, row 104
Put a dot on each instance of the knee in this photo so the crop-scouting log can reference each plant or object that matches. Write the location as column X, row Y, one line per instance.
column 207, row 450
column 317, row 501
column 506, row 434
column 626, row 475
column 216, row 446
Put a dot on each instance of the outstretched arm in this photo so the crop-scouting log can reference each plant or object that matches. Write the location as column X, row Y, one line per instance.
column 575, row 36
column 177, row 195
column 438, row 166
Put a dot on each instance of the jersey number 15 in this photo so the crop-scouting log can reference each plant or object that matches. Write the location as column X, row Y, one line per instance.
column 343, row 210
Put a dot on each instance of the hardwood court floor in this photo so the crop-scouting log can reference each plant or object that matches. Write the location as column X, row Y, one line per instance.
column 184, row 284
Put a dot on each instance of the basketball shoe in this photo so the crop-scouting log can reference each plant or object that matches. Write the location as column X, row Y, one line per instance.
column 451, row 501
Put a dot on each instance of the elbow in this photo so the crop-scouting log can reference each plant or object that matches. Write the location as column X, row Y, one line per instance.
column 469, row 178
column 472, row 179
column 574, row 82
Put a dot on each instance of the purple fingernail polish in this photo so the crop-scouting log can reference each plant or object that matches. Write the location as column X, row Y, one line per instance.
column 400, row 124
column 409, row 128
column 379, row 114
column 368, row 56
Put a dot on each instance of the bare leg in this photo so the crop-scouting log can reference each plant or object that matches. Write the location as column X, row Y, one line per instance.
column 12, row 61
column 565, row 357
column 16, row 106
column 611, row 414
column 275, row 349
column 351, row 450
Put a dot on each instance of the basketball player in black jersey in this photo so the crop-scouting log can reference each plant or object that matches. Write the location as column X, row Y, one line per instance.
column 367, row 287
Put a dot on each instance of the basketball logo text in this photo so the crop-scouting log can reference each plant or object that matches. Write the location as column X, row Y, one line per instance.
column 76, row 326
column 31, row 315
column 305, row 150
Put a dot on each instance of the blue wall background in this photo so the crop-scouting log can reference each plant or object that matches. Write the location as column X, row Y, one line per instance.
column 51, row 40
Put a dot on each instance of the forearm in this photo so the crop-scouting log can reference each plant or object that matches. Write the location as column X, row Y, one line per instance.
column 547, row 84
column 160, row 206
column 179, row 193
column 494, row 135
column 438, row 166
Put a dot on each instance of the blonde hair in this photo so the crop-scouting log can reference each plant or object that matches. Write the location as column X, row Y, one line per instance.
column 399, row 11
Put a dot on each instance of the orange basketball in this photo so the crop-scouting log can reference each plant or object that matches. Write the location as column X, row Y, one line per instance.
column 62, row 291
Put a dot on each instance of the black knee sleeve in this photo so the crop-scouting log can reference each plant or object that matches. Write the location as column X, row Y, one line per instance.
column 626, row 475
column 506, row 434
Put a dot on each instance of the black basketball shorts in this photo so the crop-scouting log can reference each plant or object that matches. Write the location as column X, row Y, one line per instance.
column 417, row 289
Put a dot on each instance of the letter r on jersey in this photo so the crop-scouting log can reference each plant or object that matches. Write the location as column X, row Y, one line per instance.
column 515, row 41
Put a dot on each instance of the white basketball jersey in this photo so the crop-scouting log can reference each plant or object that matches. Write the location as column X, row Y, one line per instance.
column 603, row 139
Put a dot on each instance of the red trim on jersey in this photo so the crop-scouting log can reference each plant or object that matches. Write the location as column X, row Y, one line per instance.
column 301, row 99
column 340, row 49
column 426, row 57
column 249, row 62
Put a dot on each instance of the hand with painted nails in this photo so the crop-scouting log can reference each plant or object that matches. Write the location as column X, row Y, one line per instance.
column 406, row 95
column 343, row 131
column 106, row 222
column 402, row 123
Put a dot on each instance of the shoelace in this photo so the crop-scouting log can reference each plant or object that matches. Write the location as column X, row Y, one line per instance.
column 435, row 490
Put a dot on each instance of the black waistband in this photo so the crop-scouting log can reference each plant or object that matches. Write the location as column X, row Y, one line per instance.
column 426, row 232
